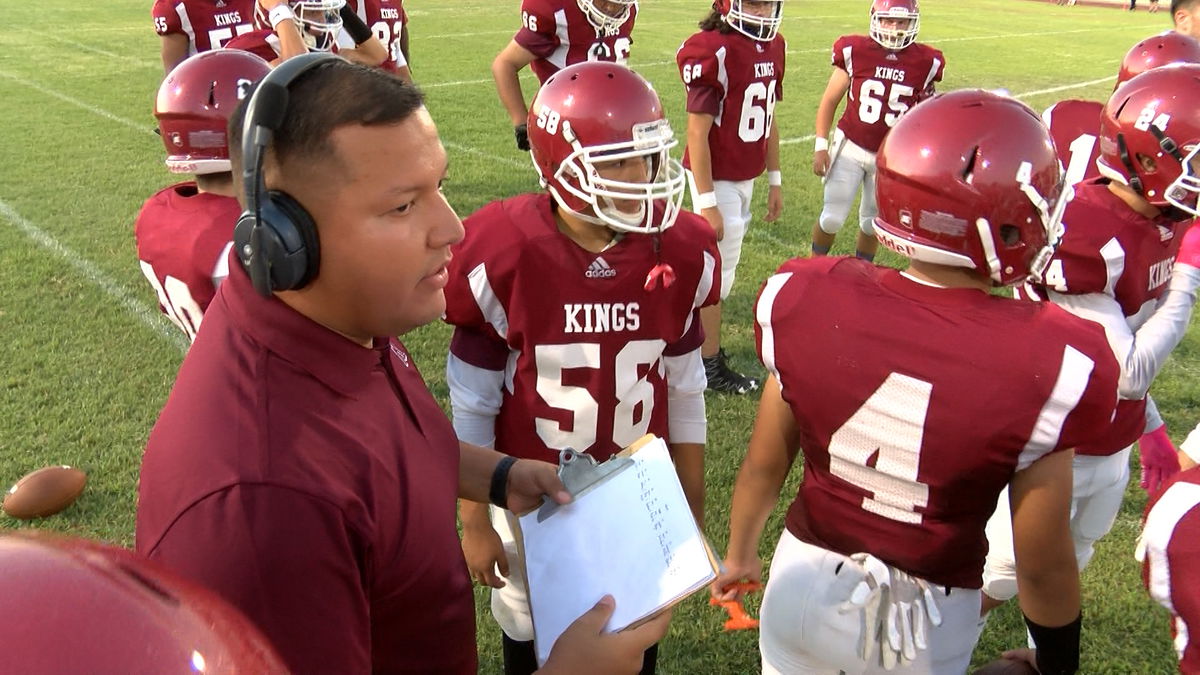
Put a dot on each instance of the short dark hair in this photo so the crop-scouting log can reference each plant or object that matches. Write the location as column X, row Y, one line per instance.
column 1177, row 5
column 330, row 96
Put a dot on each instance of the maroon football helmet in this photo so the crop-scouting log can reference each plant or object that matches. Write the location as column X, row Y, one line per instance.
column 77, row 606
column 1158, row 50
column 763, row 28
column 900, row 10
column 194, row 104
column 1152, row 119
column 594, row 113
column 970, row 179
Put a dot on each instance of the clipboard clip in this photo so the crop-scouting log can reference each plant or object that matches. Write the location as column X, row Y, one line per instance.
column 580, row 472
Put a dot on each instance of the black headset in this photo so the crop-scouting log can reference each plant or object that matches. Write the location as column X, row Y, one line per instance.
column 275, row 238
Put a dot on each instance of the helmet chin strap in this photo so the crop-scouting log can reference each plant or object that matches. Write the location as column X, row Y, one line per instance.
column 1135, row 181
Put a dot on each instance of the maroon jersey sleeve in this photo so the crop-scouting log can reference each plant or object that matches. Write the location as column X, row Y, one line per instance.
column 700, row 70
column 1171, row 566
column 166, row 20
column 841, row 54
column 538, row 27
column 477, row 263
column 181, row 236
column 261, row 43
column 1075, row 127
column 900, row 443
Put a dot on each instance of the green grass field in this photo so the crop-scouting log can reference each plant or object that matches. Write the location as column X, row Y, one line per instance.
column 86, row 361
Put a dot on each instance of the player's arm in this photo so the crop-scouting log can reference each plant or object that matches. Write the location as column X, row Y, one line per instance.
column 773, row 447
column 506, row 69
column 687, row 423
column 774, row 176
column 698, row 127
column 286, row 27
column 835, row 91
column 174, row 50
column 1047, row 574
column 367, row 50
column 404, row 47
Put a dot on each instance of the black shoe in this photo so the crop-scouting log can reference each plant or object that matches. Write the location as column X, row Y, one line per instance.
column 725, row 380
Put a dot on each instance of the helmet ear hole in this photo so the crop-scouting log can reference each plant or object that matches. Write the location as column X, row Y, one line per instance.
column 1010, row 235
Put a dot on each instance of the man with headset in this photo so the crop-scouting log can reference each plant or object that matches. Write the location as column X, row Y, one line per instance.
column 300, row 467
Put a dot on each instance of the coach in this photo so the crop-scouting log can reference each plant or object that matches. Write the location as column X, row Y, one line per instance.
column 300, row 467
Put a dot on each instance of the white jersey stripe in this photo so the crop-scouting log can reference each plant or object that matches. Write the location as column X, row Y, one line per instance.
column 1176, row 502
column 1114, row 264
column 702, row 289
column 933, row 69
column 185, row 22
column 723, row 79
column 486, row 300
column 559, row 56
column 1072, row 381
column 763, row 313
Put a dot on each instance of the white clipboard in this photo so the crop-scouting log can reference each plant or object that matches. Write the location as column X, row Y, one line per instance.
column 628, row 533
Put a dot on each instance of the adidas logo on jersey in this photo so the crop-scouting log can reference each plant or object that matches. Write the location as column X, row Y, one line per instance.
column 599, row 269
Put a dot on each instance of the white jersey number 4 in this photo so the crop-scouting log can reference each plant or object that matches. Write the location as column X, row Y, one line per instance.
column 890, row 424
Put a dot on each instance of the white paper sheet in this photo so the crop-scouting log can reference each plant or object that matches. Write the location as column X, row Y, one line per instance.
column 632, row 537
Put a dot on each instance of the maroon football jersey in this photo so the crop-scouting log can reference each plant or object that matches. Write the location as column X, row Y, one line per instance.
column 208, row 24
column 583, row 338
column 1171, row 567
column 884, row 84
column 385, row 18
column 559, row 34
column 737, row 80
column 1075, row 126
column 1109, row 248
column 915, row 405
column 263, row 43
column 182, row 236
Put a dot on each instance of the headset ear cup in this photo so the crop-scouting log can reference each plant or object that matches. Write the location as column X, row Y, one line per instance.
column 302, row 243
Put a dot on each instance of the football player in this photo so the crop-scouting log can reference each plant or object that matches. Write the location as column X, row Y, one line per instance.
column 733, row 69
column 875, row 377
column 1186, row 15
column 576, row 310
column 1122, row 264
column 881, row 76
column 389, row 22
column 555, row 34
column 1075, row 124
column 286, row 28
column 188, row 27
column 183, row 233
column 1169, row 549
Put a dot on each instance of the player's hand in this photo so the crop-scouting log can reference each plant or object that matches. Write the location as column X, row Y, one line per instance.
column 713, row 216
column 585, row 648
column 821, row 162
column 521, row 131
column 1160, row 459
column 774, row 203
column 529, row 480
column 1025, row 654
column 723, row 588
column 268, row 5
column 484, row 553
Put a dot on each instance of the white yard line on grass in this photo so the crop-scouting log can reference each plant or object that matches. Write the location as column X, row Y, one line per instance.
column 151, row 318
column 77, row 103
column 144, row 63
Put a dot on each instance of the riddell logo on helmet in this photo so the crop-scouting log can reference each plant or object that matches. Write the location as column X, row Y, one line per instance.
column 599, row 269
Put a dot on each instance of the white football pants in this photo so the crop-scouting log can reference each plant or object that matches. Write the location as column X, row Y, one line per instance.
column 853, row 167
column 1099, row 488
column 803, row 632
column 733, row 201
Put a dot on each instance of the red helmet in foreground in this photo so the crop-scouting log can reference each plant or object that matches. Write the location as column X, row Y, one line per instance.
column 194, row 104
column 970, row 179
column 77, row 606
column 594, row 114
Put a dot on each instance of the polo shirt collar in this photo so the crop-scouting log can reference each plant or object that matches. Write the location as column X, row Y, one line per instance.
column 335, row 360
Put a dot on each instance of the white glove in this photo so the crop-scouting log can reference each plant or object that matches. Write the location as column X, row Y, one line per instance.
column 895, row 607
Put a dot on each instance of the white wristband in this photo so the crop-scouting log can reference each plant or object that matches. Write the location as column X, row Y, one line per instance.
column 280, row 12
column 706, row 200
column 774, row 178
column 821, row 144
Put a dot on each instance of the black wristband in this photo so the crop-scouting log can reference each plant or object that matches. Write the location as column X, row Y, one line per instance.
column 498, row 492
column 354, row 26
column 1057, row 648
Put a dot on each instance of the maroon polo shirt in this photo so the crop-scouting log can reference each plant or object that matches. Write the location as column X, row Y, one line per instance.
column 312, row 482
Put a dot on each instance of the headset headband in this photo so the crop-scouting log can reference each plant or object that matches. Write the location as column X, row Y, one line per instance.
column 264, row 116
